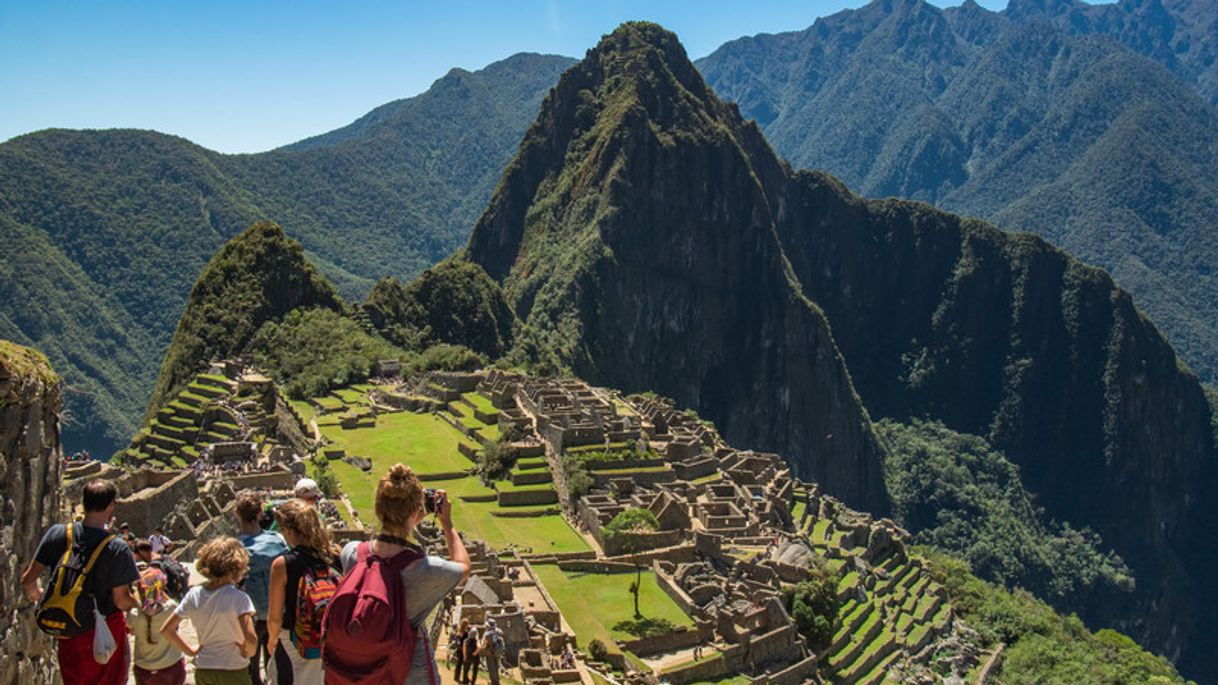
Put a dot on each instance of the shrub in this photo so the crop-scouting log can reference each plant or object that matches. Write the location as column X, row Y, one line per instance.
column 579, row 481
column 813, row 605
column 597, row 650
column 633, row 519
column 494, row 462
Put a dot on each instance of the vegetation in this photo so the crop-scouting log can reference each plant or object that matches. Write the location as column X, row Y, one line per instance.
column 445, row 357
column 633, row 520
column 316, row 350
column 956, row 493
column 1044, row 647
column 454, row 302
column 495, row 462
column 813, row 605
column 579, row 481
column 258, row 277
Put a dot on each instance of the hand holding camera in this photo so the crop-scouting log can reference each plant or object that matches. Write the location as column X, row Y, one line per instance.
column 437, row 502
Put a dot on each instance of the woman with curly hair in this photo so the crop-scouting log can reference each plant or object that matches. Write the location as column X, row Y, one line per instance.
column 301, row 580
column 223, row 617
column 399, row 508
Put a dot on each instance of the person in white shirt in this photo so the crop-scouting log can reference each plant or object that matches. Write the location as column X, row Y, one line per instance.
column 223, row 617
column 160, row 543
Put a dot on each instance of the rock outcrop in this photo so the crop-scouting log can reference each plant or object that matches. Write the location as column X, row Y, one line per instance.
column 31, row 496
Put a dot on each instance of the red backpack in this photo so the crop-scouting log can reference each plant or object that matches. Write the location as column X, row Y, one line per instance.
column 367, row 638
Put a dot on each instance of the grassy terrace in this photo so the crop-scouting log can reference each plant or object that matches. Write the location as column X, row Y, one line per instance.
column 481, row 403
column 429, row 446
column 598, row 605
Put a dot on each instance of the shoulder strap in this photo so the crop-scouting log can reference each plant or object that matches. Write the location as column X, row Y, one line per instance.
column 101, row 546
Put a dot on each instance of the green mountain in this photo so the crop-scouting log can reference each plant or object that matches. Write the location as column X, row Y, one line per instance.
column 453, row 302
column 1014, row 119
column 651, row 239
column 103, row 232
column 257, row 277
column 633, row 235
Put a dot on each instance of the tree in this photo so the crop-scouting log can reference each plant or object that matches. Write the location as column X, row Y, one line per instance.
column 634, row 520
column 813, row 605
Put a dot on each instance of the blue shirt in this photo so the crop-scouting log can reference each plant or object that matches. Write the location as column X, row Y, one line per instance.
column 263, row 549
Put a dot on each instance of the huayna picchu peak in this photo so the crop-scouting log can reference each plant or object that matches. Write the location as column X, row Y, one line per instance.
column 650, row 237
column 633, row 236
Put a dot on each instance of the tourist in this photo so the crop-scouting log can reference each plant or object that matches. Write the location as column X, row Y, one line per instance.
column 156, row 660
column 263, row 548
column 456, row 647
column 222, row 615
column 399, row 508
column 127, row 535
column 309, row 561
column 566, row 660
column 469, row 653
column 108, row 581
column 491, row 650
column 306, row 489
column 160, row 543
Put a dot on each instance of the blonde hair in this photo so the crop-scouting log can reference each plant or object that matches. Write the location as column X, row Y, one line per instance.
column 303, row 521
column 398, row 497
column 223, row 557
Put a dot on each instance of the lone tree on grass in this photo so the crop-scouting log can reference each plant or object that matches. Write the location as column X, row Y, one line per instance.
column 626, row 523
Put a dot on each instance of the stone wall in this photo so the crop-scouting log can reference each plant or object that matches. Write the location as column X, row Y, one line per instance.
column 31, row 499
column 277, row 479
column 150, row 507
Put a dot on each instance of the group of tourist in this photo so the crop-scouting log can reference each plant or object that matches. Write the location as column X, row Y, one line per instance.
column 468, row 646
column 258, row 617
column 77, row 457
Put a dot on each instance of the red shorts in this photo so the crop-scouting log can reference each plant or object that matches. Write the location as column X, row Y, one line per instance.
column 76, row 662
column 170, row 675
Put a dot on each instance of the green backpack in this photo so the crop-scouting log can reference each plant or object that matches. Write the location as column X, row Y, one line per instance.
column 66, row 609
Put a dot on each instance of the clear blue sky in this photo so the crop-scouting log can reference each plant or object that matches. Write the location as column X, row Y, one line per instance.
column 253, row 75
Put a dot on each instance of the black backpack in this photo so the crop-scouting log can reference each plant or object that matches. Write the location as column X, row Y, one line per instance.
column 177, row 578
column 66, row 608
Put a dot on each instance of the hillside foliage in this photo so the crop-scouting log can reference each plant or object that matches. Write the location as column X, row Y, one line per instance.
column 1043, row 647
column 956, row 493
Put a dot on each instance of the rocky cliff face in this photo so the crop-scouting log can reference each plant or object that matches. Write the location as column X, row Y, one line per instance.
column 650, row 237
column 1004, row 336
column 31, row 497
column 633, row 234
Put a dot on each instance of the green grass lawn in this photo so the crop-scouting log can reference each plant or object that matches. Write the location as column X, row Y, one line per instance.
column 421, row 441
column 330, row 403
column 481, row 403
column 351, row 395
column 593, row 603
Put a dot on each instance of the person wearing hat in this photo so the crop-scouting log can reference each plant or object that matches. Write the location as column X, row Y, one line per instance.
column 491, row 650
column 307, row 490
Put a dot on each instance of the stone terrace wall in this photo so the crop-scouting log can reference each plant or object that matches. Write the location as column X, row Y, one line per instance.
column 31, row 498
column 150, row 507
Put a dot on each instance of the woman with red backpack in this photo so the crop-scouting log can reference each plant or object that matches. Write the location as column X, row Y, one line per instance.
column 303, row 581
column 378, row 641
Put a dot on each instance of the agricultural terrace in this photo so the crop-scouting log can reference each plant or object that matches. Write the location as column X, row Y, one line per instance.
column 428, row 444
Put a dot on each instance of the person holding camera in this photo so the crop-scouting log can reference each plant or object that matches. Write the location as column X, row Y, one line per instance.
column 401, row 503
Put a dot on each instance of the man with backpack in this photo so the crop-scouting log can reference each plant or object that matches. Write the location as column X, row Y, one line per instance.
column 92, row 571
column 177, row 578
column 263, row 547
column 492, row 649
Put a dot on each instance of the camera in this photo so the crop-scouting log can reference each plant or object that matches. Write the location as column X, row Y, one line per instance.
column 431, row 501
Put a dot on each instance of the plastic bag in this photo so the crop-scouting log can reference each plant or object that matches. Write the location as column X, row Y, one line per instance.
column 104, row 646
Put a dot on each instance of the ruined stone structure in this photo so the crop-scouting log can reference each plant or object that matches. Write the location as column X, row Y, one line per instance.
column 30, row 500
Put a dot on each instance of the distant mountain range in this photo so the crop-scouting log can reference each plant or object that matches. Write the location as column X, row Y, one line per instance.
column 1051, row 117
column 102, row 233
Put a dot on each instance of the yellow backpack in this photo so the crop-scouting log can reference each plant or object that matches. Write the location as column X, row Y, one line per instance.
column 66, row 609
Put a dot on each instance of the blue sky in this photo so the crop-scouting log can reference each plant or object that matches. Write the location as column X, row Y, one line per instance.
column 250, row 76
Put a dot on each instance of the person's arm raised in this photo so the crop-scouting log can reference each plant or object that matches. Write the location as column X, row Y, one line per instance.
column 456, row 548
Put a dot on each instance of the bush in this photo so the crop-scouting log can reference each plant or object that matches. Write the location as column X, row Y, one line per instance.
column 597, row 650
column 494, row 462
column 633, row 519
column 813, row 605
column 579, row 481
